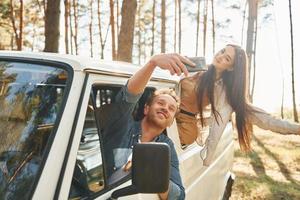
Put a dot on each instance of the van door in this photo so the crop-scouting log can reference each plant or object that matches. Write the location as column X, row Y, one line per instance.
column 86, row 173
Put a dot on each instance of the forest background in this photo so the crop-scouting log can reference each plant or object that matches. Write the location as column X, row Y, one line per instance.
column 134, row 30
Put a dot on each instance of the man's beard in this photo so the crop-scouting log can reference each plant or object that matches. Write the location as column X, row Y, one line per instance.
column 155, row 121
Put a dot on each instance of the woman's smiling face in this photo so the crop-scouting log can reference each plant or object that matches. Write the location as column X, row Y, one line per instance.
column 224, row 59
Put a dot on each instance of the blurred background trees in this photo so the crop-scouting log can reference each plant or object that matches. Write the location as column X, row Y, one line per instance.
column 134, row 30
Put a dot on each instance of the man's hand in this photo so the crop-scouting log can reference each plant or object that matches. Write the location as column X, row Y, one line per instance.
column 127, row 166
column 164, row 196
column 173, row 62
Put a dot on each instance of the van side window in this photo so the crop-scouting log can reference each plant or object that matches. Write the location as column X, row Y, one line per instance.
column 99, row 165
column 115, row 148
column 31, row 99
column 88, row 177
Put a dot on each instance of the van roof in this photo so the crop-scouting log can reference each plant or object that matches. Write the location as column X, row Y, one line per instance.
column 80, row 63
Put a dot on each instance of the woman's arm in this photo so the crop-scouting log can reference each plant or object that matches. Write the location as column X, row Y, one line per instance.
column 266, row 121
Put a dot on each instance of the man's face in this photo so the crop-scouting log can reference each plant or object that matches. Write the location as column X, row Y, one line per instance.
column 162, row 111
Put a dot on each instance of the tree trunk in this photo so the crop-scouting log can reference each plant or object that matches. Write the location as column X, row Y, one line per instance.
column 254, row 62
column 18, row 34
column 52, row 26
column 125, row 42
column 112, row 24
column 250, row 35
column 75, row 13
column 71, row 28
column 163, row 26
column 179, row 26
column 244, row 16
column 12, row 18
column 44, row 7
column 118, row 20
column 213, row 25
column 20, row 42
column 100, row 29
column 67, row 10
column 153, row 27
column 198, row 26
column 91, row 28
column 205, row 25
column 292, row 59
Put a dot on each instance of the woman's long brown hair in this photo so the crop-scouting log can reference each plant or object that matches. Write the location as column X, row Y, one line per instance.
column 235, row 83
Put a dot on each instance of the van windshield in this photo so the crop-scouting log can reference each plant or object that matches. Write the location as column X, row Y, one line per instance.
column 30, row 100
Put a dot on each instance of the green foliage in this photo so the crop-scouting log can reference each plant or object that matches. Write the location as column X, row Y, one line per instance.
column 5, row 24
column 143, row 27
column 4, row 10
column 33, row 27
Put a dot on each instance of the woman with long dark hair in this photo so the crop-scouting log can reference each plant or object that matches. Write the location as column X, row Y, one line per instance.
column 224, row 87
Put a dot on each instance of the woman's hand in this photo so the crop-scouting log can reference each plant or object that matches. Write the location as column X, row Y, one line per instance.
column 175, row 63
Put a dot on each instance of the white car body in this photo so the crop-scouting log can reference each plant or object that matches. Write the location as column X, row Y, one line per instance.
column 55, row 177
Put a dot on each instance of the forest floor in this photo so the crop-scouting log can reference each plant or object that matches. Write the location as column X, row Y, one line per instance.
column 271, row 171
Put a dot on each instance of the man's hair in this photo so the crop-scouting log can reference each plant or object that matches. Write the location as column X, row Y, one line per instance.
column 167, row 91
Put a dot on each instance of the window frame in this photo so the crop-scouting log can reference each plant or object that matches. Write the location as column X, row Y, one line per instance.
column 107, row 187
column 99, row 141
column 91, row 79
column 65, row 181
column 69, row 70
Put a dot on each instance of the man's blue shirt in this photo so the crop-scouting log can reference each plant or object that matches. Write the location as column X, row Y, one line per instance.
column 121, row 132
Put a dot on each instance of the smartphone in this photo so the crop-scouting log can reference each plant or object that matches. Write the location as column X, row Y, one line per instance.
column 200, row 64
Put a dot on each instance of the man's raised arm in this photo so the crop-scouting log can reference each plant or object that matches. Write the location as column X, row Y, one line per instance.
column 174, row 63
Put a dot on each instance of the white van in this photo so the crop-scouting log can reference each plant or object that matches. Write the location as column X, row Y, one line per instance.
column 51, row 142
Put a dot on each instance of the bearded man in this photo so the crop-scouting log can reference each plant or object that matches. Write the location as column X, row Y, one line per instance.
column 121, row 131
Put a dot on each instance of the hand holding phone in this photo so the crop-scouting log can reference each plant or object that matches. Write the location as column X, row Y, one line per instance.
column 200, row 64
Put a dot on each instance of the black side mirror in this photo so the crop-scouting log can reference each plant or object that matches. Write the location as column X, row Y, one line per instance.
column 150, row 170
column 200, row 64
